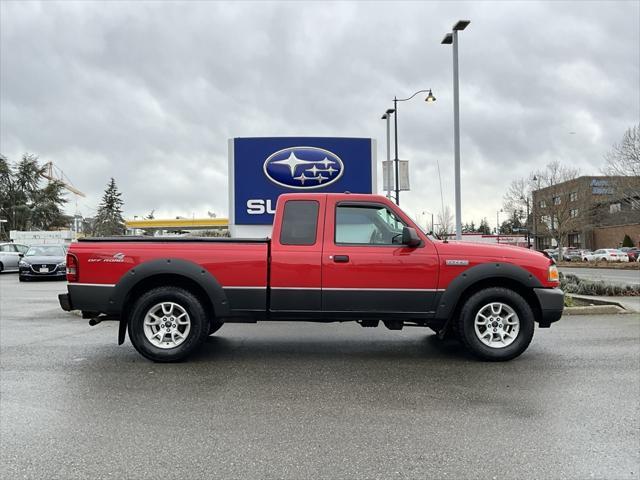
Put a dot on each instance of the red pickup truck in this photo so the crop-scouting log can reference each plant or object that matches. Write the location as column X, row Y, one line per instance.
column 332, row 257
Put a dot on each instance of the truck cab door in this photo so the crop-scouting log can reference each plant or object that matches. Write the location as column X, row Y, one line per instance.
column 367, row 269
column 296, row 255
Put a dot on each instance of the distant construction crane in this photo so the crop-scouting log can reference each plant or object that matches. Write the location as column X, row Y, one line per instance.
column 53, row 173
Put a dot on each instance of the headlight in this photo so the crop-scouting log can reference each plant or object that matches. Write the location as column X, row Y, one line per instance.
column 22, row 263
column 62, row 265
column 553, row 275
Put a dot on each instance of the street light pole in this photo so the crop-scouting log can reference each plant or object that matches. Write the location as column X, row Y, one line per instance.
column 452, row 39
column 430, row 98
column 386, row 116
column 395, row 160
column 498, row 221
column 533, row 210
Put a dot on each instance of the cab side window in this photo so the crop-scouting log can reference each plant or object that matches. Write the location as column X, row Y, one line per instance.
column 367, row 225
column 7, row 248
column 299, row 222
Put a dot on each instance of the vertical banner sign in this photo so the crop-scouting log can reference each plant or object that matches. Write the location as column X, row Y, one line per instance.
column 260, row 169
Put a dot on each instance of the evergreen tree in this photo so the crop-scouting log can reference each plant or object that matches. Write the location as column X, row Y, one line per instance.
column 108, row 220
column 24, row 202
column 627, row 242
column 484, row 227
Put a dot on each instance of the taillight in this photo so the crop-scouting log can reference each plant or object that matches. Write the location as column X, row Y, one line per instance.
column 72, row 268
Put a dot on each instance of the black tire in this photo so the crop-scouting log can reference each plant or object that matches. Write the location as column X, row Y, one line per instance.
column 199, row 328
column 474, row 305
column 21, row 278
column 1, row 267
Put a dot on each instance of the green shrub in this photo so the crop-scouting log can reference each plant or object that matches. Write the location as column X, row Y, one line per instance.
column 627, row 242
column 570, row 283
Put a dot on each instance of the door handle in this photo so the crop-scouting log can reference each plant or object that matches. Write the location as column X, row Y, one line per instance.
column 341, row 258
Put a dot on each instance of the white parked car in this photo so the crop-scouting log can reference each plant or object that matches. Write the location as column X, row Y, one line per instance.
column 10, row 254
column 610, row 255
column 586, row 256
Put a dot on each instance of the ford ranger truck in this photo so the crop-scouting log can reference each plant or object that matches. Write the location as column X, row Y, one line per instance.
column 331, row 258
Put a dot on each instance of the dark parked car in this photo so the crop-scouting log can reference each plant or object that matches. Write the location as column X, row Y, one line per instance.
column 44, row 261
column 632, row 252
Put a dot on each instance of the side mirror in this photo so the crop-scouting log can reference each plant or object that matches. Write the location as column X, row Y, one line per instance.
column 20, row 255
column 410, row 237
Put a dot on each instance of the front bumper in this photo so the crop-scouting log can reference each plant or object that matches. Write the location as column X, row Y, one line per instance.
column 56, row 272
column 551, row 302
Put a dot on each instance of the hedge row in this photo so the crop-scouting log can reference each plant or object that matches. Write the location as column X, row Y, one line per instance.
column 572, row 284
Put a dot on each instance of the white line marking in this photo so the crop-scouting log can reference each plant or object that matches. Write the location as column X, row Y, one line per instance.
column 92, row 284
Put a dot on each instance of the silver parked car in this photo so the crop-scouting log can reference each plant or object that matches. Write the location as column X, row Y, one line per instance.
column 10, row 254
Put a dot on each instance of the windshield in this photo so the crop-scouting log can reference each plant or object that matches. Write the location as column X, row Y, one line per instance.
column 46, row 251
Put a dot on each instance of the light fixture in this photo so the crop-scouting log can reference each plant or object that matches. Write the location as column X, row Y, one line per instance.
column 461, row 24
column 430, row 98
column 447, row 40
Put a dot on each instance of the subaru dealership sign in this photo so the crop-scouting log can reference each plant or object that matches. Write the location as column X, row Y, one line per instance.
column 260, row 169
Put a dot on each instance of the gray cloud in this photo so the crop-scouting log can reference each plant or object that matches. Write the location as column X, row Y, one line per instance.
column 150, row 92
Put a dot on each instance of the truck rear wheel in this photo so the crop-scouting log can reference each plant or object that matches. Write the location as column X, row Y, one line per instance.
column 496, row 324
column 167, row 324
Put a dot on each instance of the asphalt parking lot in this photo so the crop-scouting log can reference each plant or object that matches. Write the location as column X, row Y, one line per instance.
column 286, row 400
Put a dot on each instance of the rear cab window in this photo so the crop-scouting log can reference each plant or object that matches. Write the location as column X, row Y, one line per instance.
column 299, row 222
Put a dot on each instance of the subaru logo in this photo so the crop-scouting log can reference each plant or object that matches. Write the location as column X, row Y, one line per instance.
column 303, row 168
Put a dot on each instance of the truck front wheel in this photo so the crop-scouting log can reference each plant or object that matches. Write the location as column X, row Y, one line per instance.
column 496, row 324
column 167, row 324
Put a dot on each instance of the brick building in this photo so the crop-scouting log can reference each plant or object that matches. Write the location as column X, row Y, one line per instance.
column 587, row 212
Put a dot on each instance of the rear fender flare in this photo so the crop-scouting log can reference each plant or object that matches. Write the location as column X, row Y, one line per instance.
column 166, row 266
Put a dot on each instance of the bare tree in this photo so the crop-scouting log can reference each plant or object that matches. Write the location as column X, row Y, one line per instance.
column 445, row 222
column 624, row 158
column 623, row 165
column 515, row 200
column 557, row 215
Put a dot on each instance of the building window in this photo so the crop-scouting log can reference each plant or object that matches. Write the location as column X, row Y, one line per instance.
column 556, row 200
column 614, row 207
column 573, row 196
column 543, row 204
column 574, row 213
column 574, row 240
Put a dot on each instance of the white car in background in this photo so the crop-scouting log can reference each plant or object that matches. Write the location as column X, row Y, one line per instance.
column 586, row 255
column 610, row 255
column 10, row 254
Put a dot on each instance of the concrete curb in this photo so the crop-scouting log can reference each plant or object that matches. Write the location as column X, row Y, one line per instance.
column 595, row 310
column 595, row 301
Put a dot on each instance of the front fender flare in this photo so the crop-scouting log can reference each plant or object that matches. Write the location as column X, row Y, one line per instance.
column 508, row 271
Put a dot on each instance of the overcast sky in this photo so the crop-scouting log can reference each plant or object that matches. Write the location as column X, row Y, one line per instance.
column 149, row 92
